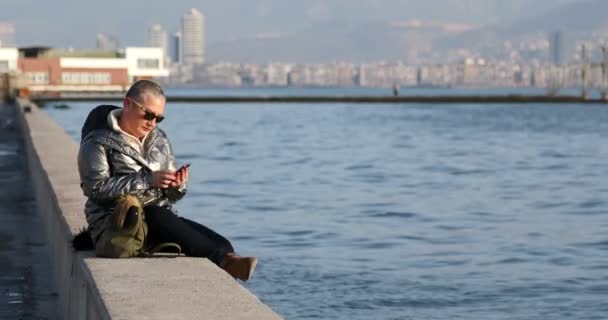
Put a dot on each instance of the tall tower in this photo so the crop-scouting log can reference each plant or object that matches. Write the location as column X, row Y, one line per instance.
column 7, row 35
column 193, row 44
column 157, row 37
column 107, row 42
column 177, row 56
column 560, row 48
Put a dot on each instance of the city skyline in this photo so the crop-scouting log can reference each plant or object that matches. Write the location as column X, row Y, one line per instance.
column 319, row 34
column 258, row 16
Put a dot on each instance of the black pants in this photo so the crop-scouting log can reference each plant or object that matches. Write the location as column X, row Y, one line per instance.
column 195, row 239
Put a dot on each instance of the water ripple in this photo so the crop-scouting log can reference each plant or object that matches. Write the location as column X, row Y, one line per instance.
column 549, row 205
column 588, row 212
column 263, row 208
column 380, row 245
column 295, row 162
column 451, row 228
column 512, row 261
column 591, row 204
column 220, row 195
column 404, row 215
column 187, row 156
column 230, row 182
column 462, row 172
column 232, row 144
column 602, row 245
column 359, row 167
column 297, row 233
column 557, row 155
column 221, row 158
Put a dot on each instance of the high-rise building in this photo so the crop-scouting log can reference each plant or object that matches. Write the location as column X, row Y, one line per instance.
column 107, row 42
column 561, row 48
column 7, row 35
column 157, row 37
column 176, row 48
column 193, row 43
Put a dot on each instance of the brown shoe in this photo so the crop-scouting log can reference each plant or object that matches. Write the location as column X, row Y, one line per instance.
column 239, row 267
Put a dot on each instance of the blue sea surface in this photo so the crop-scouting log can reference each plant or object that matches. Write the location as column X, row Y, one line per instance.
column 403, row 211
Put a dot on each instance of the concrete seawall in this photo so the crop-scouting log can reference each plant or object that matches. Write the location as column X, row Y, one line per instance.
column 95, row 288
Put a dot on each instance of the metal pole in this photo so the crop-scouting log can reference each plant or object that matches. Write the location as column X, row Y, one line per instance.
column 585, row 91
column 604, row 67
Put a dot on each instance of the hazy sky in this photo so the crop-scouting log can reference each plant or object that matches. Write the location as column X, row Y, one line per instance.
column 65, row 23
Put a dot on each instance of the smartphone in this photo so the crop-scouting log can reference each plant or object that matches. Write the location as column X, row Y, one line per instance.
column 187, row 165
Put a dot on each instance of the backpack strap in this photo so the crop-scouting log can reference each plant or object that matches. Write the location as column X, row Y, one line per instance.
column 161, row 246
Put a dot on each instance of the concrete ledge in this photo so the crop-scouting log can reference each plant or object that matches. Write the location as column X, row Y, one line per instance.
column 95, row 288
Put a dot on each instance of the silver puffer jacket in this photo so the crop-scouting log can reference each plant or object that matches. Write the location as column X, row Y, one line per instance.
column 111, row 164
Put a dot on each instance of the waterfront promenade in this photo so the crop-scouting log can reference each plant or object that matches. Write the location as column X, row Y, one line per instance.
column 26, row 287
column 40, row 216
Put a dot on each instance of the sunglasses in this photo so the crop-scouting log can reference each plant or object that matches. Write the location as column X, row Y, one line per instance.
column 149, row 115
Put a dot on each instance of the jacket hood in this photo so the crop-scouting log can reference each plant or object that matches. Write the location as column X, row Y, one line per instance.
column 97, row 119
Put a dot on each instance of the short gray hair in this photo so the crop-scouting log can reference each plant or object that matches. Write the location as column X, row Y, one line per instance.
column 142, row 87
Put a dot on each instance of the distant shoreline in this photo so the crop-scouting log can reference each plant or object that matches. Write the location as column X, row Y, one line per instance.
column 451, row 99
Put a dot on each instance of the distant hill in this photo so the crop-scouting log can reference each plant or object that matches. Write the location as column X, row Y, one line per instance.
column 329, row 42
column 334, row 37
column 577, row 17
column 583, row 15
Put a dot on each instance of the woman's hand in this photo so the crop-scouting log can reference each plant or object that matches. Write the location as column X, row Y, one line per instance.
column 181, row 177
column 163, row 178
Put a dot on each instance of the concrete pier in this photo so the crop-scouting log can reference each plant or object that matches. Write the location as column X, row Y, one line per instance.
column 95, row 288
column 27, row 290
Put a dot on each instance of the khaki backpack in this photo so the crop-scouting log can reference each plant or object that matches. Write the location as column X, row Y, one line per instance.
column 125, row 236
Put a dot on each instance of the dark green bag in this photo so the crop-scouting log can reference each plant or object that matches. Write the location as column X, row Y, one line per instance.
column 125, row 236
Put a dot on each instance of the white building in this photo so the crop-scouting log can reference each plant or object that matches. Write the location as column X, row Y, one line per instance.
column 193, row 43
column 145, row 62
column 277, row 74
column 8, row 59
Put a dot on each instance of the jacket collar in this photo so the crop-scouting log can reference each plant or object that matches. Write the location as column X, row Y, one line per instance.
column 113, row 119
column 116, row 141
